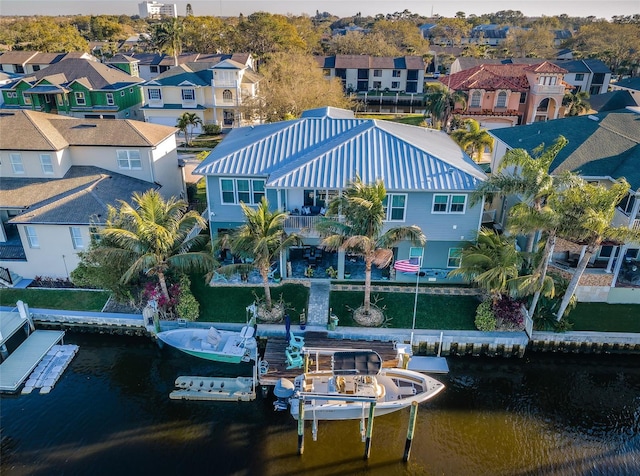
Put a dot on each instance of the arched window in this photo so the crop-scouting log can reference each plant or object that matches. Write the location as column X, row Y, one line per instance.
column 544, row 105
column 502, row 99
column 475, row 99
column 227, row 95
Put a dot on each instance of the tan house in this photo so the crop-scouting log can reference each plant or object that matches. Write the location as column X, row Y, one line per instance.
column 58, row 176
column 505, row 95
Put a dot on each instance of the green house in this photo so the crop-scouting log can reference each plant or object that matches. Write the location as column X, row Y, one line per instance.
column 78, row 88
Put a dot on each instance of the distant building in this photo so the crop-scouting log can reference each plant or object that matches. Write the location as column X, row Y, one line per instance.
column 157, row 10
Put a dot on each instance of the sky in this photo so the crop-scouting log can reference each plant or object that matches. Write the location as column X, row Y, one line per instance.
column 342, row 8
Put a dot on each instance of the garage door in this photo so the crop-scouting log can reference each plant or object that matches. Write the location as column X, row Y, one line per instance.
column 163, row 121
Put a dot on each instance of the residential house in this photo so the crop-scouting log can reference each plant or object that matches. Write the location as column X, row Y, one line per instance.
column 78, row 88
column 386, row 83
column 29, row 62
column 58, row 175
column 589, row 75
column 505, row 95
column 631, row 85
column 213, row 91
column 602, row 147
column 300, row 165
column 151, row 65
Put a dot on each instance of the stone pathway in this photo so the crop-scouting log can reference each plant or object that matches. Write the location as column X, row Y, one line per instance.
column 319, row 302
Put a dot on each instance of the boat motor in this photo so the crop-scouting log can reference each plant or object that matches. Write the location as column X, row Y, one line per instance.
column 283, row 391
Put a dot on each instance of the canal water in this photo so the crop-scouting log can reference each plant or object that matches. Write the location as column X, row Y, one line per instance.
column 110, row 414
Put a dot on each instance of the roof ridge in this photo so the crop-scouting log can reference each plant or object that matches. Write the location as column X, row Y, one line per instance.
column 44, row 135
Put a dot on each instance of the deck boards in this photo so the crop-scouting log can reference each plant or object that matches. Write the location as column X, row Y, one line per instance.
column 17, row 367
column 274, row 354
column 10, row 323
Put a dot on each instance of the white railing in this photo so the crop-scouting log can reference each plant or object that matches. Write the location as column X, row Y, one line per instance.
column 489, row 216
column 547, row 89
column 304, row 223
column 636, row 225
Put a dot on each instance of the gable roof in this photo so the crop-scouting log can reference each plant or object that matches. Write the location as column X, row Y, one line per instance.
column 79, row 198
column 32, row 130
column 154, row 59
column 327, row 147
column 606, row 144
column 371, row 62
column 611, row 101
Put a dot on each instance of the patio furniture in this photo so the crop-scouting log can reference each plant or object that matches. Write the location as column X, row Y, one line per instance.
column 294, row 359
column 296, row 343
column 219, row 277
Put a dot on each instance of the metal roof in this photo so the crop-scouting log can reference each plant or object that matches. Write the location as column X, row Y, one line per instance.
column 327, row 147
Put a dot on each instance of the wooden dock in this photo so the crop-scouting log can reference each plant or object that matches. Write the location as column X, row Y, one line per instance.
column 275, row 356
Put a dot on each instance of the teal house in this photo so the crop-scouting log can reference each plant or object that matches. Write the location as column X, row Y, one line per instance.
column 79, row 88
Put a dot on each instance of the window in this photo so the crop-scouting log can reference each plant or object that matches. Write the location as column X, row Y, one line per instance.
column 153, row 69
column 396, row 73
column 122, row 93
column 46, row 163
column 32, row 237
column 129, row 159
column 476, row 96
column 579, row 76
column 523, row 98
column 76, row 237
column 110, row 101
column 26, row 98
column 502, row 99
column 415, row 255
column 248, row 191
column 454, row 259
column 363, row 74
column 377, row 73
column 16, row 163
column 154, row 94
column 36, row 67
column 18, row 68
column 227, row 95
column 412, row 74
column 94, row 232
column 80, row 100
column 449, row 203
column 394, row 205
column 188, row 95
column 377, row 84
column 326, row 71
column 395, row 85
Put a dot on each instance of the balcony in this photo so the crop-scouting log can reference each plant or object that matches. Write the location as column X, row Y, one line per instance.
column 547, row 89
column 622, row 219
column 304, row 224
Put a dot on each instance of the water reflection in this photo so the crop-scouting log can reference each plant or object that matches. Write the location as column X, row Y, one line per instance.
column 110, row 414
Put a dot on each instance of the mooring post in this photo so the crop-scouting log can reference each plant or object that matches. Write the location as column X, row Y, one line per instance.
column 300, row 426
column 412, row 427
column 367, row 442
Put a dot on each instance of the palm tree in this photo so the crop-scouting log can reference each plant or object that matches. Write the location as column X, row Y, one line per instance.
column 587, row 211
column 261, row 238
column 186, row 123
column 440, row 102
column 154, row 236
column 472, row 139
column 493, row 263
column 167, row 36
column 362, row 212
column 576, row 103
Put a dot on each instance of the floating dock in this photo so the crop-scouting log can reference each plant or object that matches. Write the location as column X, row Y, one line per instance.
column 50, row 368
column 22, row 361
column 225, row 389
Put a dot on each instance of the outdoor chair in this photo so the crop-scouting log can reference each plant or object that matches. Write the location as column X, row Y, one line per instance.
column 219, row 277
column 296, row 343
column 294, row 359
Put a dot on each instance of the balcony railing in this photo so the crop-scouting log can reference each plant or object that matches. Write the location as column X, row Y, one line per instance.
column 547, row 89
column 304, row 224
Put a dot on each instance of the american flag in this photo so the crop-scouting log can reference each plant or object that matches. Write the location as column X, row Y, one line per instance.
column 407, row 265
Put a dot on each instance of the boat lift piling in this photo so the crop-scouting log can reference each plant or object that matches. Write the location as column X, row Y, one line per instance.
column 367, row 443
column 410, row 431
column 301, row 426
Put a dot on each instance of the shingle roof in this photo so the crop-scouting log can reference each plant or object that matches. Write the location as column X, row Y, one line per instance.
column 327, row 147
column 371, row 62
column 32, row 130
column 629, row 83
column 611, row 101
column 78, row 198
column 608, row 146
column 16, row 57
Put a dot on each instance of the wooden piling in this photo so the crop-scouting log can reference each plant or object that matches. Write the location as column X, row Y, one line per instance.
column 300, row 426
column 410, row 431
column 367, row 442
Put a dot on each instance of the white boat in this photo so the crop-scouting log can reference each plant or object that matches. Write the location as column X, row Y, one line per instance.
column 355, row 381
column 213, row 344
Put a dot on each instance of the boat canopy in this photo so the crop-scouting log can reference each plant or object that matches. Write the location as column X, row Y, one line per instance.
column 357, row 362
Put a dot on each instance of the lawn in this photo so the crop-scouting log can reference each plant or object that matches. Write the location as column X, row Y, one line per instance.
column 602, row 317
column 229, row 303
column 63, row 299
column 432, row 312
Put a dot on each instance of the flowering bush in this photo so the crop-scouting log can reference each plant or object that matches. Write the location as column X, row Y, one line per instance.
column 166, row 306
column 508, row 313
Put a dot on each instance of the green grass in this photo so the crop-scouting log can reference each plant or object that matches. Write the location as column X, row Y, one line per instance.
column 602, row 317
column 228, row 304
column 432, row 312
column 70, row 300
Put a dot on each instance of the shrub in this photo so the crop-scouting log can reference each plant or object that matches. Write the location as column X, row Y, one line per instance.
column 188, row 307
column 211, row 129
column 485, row 318
column 508, row 312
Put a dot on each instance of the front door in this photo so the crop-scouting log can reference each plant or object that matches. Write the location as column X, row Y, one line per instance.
column 228, row 117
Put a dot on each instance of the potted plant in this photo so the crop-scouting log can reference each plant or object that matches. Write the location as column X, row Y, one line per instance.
column 347, row 274
column 331, row 272
column 277, row 277
column 308, row 272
